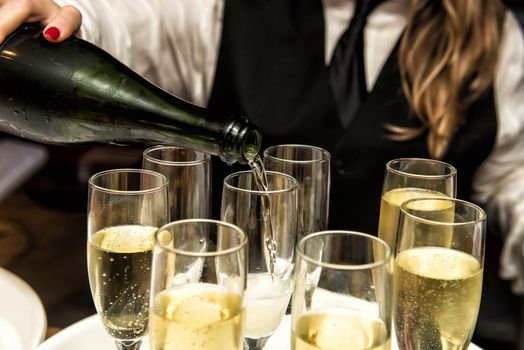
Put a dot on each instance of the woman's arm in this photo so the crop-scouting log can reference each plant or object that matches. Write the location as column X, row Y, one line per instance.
column 499, row 182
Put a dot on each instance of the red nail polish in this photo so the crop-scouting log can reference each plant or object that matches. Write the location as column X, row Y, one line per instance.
column 52, row 32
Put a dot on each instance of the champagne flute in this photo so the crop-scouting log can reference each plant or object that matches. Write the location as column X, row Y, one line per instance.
column 269, row 218
column 189, row 176
column 342, row 301
column 439, row 263
column 125, row 208
column 407, row 178
column 199, row 271
column 310, row 165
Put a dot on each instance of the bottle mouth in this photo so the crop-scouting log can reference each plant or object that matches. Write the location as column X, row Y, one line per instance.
column 251, row 145
column 242, row 141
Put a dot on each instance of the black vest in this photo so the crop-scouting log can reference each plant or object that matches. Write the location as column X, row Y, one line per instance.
column 271, row 69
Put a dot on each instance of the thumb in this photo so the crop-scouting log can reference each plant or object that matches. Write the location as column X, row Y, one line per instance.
column 66, row 21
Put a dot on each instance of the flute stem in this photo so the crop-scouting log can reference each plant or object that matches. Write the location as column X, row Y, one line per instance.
column 128, row 345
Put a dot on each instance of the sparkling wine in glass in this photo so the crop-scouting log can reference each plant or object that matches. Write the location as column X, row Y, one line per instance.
column 438, row 271
column 310, row 165
column 189, row 176
column 125, row 208
column 269, row 218
column 342, row 301
column 407, row 178
column 198, row 282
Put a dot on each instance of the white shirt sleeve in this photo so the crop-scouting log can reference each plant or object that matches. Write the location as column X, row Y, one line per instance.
column 173, row 43
column 499, row 182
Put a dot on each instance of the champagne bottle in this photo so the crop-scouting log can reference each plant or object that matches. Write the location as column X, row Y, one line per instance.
column 75, row 92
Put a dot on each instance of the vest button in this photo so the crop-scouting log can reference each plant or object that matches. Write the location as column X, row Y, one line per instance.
column 339, row 167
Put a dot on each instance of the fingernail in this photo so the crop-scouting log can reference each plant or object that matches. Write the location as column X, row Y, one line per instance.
column 52, row 32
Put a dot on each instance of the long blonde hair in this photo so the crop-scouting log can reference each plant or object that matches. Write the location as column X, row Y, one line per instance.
column 447, row 57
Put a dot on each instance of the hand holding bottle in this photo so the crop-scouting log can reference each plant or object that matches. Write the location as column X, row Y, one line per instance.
column 60, row 22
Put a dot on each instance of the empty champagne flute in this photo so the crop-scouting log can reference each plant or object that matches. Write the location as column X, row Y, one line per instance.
column 438, row 269
column 342, row 301
column 269, row 218
column 197, row 289
column 189, row 176
column 407, row 178
column 125, row 208
column 310, row 165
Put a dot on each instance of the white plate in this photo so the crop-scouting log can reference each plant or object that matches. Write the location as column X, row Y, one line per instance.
column 89, row 334
column 23, row 320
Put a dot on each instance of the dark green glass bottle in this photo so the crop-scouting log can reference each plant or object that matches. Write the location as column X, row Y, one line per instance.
column 74, row 92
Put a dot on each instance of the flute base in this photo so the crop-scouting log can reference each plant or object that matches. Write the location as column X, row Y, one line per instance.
column 255, row 344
